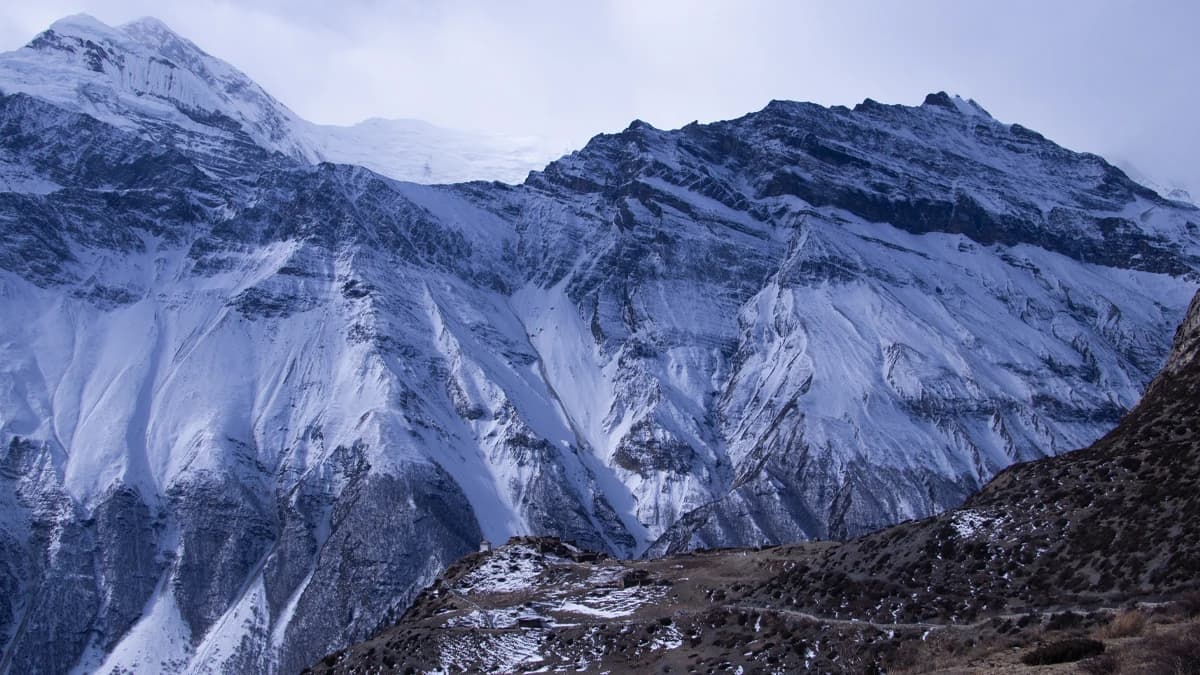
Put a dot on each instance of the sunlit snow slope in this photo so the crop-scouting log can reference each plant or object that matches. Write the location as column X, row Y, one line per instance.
column 250, row 405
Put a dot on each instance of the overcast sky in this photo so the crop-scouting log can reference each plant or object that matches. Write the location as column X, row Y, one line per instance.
column 1117, row 78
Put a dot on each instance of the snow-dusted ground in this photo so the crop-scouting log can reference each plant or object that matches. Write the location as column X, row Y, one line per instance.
column 514, row 570
column 611, row 605
column 503, row 652
column 564, row 594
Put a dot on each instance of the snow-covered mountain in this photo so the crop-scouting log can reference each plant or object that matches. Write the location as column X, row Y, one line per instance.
column 1042, row 554
column 250, row 405
column 1172, row 191
column 144, row 78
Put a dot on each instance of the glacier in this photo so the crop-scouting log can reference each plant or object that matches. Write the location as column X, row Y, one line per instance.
column 252, row 401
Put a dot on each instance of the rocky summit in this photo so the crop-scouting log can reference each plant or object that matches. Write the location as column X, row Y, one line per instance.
column 1100, row 542
column 252, row 402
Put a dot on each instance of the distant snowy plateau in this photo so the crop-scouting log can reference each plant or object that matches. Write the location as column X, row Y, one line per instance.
column 252, row 401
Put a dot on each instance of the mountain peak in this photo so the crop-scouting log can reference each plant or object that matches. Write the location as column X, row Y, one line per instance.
column 640, row 125
column 955, row 103
column 142, row 74
column 147, row 31
column 940, row 99
column 147, row 23
column 74, row 34
column 79, row 24
column 157, row 35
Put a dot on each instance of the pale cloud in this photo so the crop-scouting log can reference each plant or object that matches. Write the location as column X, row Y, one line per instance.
column 1118, row 78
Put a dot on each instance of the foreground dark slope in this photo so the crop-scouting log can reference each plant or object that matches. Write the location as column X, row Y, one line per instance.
column 1049, row 545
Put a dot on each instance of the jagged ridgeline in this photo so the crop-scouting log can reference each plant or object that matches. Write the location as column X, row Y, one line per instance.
column 251, row 402
column 1049, row 555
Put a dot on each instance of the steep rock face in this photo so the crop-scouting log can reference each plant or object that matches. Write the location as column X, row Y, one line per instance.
column 826, row 327
column 1048, row 549
column 1097, row 526
column 240, row 393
